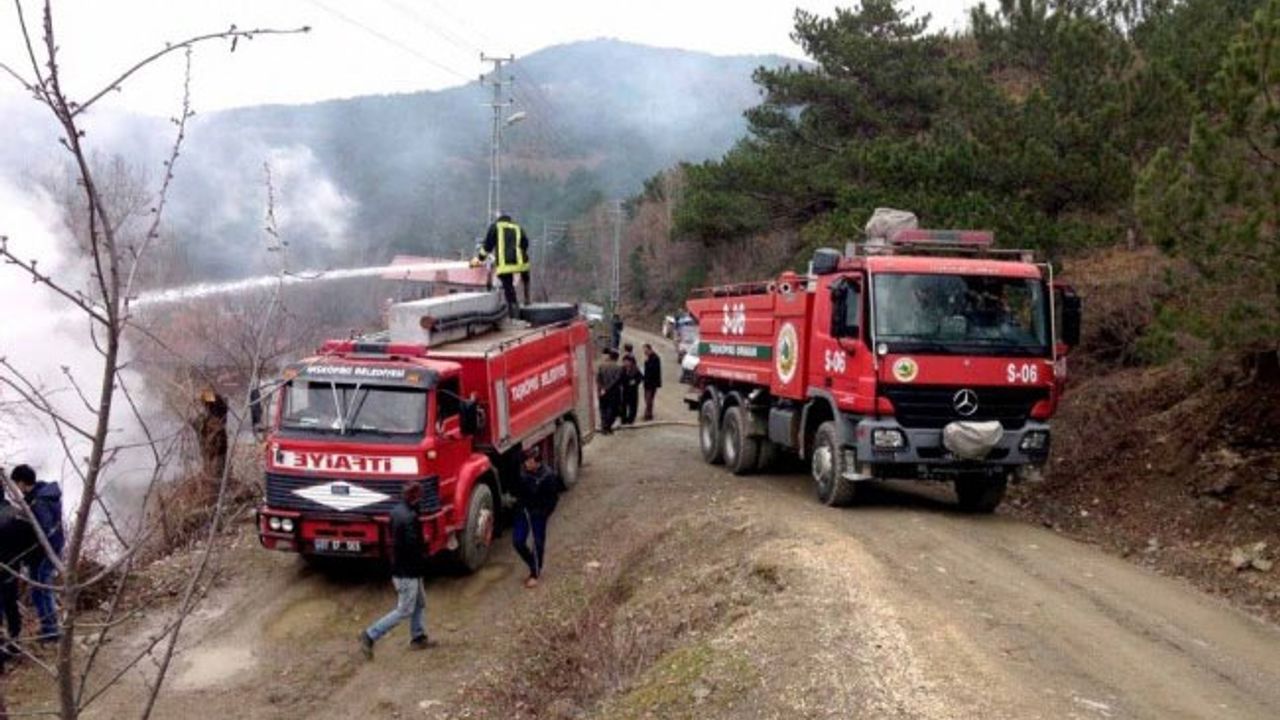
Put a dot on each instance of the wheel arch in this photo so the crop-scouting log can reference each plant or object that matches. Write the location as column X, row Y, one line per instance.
column 820, row 408
column 476, row 470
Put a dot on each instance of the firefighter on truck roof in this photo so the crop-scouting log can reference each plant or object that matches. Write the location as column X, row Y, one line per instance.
column 508, row 244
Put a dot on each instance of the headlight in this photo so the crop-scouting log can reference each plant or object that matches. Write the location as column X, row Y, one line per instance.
column 286, row 525
column 1033, row 441
column 274, row 524
column 888, row 439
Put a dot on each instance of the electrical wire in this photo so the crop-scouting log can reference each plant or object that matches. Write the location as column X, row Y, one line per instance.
column 438, row 30
column 389, row 40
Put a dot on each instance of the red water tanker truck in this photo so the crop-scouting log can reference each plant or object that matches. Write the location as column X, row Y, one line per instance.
column 450, row 397
column 929, row 356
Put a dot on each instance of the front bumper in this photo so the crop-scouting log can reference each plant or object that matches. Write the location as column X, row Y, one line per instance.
column 924, row 455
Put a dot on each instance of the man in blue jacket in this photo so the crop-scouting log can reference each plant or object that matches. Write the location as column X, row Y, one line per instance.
column 45, row 501
column 537, row 494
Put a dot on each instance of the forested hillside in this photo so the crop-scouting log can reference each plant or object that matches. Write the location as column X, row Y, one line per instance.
column 412, row 170
column 1066, row 126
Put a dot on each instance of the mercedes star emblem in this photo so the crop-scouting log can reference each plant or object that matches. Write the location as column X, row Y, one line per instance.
column 965, row 402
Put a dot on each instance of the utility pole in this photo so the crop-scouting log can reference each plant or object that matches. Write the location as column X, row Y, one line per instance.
column 498, row 83
column 615, row 290
column 552, row 231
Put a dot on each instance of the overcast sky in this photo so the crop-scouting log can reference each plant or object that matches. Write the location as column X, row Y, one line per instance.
column 359, row 47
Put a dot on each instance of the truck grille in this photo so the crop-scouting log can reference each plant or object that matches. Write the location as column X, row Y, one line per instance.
column 281, row 493
column 934, row 407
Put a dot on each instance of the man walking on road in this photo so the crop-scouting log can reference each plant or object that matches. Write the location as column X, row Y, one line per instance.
column 652, row 379
column 609, row 383
column 45, row 501
column 507, row 242
column 408, row 565
column 536, row 497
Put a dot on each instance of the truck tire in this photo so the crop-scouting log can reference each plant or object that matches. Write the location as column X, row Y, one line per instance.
column 709, row 433
column 568, row 454
column 827, row 467
column 768, row 454
column 981, row 495
column 740, row 452
column 547, row 313
column 477, row 536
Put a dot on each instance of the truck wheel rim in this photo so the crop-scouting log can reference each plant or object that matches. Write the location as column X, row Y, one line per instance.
column 822, row 466
column 730, row 444
column 485, row 521
column 707, row 435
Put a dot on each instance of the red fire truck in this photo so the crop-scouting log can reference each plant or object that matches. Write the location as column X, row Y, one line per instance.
column 452, row 407
column 929, row 356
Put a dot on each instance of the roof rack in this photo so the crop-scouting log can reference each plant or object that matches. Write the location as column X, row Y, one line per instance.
column 914, row 241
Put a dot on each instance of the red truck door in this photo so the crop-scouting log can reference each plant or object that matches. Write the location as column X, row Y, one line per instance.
column 840, row 361
column 451, row 448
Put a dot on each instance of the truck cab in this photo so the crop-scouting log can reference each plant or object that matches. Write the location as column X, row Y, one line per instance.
column 350, row 431
column 930, row 357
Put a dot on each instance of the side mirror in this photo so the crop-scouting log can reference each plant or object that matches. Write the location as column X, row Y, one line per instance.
column 469, row 417
column 1072, row 315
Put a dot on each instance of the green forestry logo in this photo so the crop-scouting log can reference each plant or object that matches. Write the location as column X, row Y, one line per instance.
column 788, row 355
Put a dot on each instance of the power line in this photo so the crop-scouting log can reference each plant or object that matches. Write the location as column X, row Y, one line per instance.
column 388, row 39
column 443, row 32
column 479, row 37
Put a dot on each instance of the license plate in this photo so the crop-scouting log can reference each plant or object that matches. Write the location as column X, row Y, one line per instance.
column 337, row 546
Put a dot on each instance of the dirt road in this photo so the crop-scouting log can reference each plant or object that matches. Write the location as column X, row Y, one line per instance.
column 676, row 590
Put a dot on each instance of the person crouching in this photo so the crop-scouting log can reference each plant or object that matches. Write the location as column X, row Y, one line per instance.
column 536, row 496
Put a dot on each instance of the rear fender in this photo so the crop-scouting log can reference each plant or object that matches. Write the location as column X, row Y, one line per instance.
column 712, row 393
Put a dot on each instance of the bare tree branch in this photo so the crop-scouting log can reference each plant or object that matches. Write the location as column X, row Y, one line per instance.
column 229, row 34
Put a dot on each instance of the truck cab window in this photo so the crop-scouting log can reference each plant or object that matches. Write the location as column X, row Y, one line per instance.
column 448, row 403
column 846, row 302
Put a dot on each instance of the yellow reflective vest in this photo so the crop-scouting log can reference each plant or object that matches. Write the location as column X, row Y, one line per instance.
column 506, row 241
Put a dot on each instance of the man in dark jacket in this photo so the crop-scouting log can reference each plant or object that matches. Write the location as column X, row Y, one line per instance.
column 211, row 432
column 616, row 328
column 609, row 384
column 508, row 244
column 536, row 496
column 17, row 543
column 45, row 501
column 408, row 565
column 652, row 379
column 631, row 381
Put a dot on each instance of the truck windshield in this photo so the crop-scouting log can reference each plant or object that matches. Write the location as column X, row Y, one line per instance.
column 961, row 314
column 353, row 408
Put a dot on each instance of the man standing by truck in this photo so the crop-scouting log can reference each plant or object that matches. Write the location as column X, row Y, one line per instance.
column 537, row 494
column 507, row 242
column 408, row 565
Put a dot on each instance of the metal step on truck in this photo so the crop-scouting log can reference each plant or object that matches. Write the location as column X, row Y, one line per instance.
column 922, row 355
column 450, row 396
